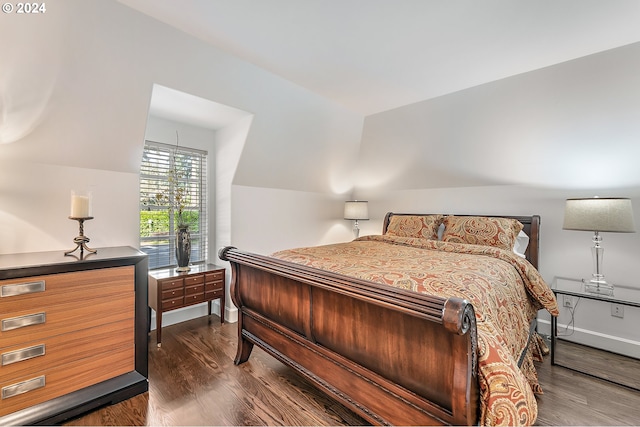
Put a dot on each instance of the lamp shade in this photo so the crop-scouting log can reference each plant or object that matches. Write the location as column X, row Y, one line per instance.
column 599, row 214
column 356, row 209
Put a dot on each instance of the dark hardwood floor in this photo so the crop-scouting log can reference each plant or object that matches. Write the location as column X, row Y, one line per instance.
column 193, row 381
column 573, row 398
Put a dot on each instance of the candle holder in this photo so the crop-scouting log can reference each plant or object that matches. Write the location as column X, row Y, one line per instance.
column 82, row 240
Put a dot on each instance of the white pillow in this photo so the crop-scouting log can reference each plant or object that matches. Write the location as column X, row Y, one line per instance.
column 521, row 243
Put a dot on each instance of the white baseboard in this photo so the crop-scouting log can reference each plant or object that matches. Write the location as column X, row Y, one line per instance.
column 187, row 313
column 595, row 339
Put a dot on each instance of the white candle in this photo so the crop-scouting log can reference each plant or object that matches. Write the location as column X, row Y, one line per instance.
column 80, row 206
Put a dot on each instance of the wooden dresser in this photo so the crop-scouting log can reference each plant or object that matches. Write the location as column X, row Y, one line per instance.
column 169, row 290
column 73, row 333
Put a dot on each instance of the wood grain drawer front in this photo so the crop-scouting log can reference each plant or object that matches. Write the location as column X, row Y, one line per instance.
column 194, row 289
column 214, row 276
column 214, row 294
column 70, row 317
column 170, row 304
column 56, row 381
column 22, row 296
column 20, row 360
column 172, row 293
column 194, row 298
column 213, row 286
column 172, row 284
column 194, row 280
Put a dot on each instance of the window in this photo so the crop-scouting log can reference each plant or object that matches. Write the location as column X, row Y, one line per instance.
column 168, row 171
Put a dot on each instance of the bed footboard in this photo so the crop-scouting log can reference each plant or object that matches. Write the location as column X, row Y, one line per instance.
column 391, row 356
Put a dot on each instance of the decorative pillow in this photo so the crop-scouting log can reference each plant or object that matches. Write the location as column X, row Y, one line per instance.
column 419, row 226
column 480, row 230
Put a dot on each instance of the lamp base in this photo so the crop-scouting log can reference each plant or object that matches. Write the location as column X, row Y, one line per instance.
column 599, row 287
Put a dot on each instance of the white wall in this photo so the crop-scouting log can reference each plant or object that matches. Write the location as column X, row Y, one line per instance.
column 35, row 203
column 268, row 220
column 569, row 126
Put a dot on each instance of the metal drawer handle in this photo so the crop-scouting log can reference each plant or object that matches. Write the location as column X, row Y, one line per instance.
column 22, row 321
column 21, row 289
column 22, row 354
column 23, row 387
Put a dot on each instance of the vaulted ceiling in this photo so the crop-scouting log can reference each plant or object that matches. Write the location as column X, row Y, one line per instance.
column 376, row 55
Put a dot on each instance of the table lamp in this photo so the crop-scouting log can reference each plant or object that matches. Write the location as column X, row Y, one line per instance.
column 356, row 210
column 599, row 215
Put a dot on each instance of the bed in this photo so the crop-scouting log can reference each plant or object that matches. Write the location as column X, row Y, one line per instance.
column 398, row 327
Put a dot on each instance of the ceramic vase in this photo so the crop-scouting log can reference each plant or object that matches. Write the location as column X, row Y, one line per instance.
column 183, row 248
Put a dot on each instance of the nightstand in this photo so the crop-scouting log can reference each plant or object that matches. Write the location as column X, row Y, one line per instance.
column 170, row 290
column 602, row 363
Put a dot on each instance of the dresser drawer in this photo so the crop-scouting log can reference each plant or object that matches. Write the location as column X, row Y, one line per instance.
column 28, row 390
column 64, row 318
column 20, row 295
column 36, row 356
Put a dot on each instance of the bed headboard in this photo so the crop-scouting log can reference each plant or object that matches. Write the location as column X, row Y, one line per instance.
column 531, row 228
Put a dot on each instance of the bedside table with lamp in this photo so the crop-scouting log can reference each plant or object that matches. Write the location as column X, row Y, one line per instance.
column 596, row 215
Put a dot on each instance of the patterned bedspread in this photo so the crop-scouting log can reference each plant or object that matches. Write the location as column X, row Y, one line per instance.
column 505, row 290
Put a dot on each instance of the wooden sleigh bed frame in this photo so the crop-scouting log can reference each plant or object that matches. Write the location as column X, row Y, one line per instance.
column 421, row 371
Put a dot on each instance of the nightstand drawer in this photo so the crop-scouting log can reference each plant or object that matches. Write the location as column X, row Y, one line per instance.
column 195, row 289
column 194, row 299
column 170, row 304
column 216, row 275
column 172, row 284
column 213, row 286
column 214, row 294
column 193, row 280
column 168, row 294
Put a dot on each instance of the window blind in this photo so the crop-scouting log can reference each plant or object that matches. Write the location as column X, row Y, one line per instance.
column 172, row 175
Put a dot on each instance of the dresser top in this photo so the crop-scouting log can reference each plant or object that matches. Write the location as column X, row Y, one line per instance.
column 33, row 263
